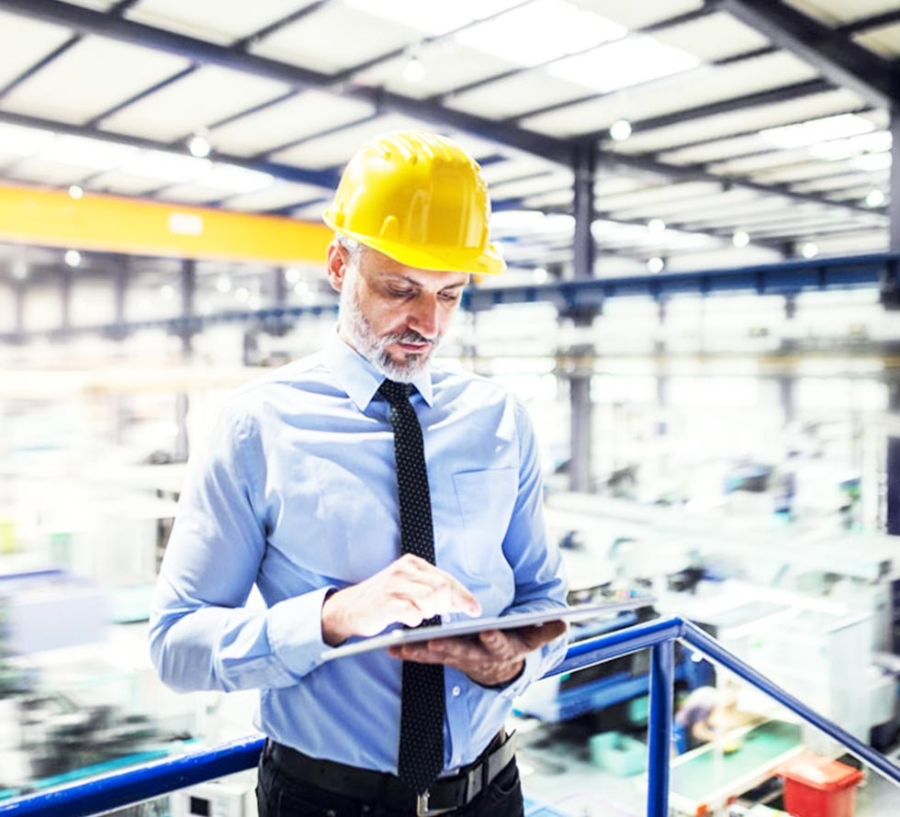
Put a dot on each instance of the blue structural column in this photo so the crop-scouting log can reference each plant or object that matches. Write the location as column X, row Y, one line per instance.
column 279, row 326
column 65, row 298
column 786, row 378
column 122, row 269
column 20, row 290
column 659, row 750
column 581, row 355
column 188, row 293
column 662, row 373
column 892, row 466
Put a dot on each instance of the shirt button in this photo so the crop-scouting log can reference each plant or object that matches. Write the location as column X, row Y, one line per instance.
column 456, row 691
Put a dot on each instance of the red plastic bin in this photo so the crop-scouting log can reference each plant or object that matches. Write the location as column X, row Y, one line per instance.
column 817, row 787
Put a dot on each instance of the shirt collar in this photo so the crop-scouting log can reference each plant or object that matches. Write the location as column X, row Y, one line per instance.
column 359, row 378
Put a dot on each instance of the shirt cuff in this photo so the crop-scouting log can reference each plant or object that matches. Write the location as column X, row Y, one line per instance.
column 295, row 631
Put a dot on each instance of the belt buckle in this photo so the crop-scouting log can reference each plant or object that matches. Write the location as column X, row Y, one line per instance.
column 422, row 809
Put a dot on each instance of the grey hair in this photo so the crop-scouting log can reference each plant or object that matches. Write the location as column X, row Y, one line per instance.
column 352, row 247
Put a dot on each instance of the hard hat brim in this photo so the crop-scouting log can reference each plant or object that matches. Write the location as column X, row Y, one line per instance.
column 450, row 259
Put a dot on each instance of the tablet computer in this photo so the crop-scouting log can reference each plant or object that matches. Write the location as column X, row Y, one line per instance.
column 473, row 626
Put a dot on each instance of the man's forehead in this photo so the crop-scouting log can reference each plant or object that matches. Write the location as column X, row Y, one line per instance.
column 382, row 267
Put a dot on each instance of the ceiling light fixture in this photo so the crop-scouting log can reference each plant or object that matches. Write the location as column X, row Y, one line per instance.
column 740, row 239
column 199, row 146
column 809, row 249
column 656, row 264
column 620, row 130
column 76, row 192
column 875, row 198
column 72, row 258
column 414, row 70
column 656, row 226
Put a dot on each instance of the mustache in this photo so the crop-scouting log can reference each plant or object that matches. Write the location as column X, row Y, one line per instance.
column 409, row 336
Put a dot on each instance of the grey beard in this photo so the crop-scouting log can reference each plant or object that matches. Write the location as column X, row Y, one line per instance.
column 370, row 346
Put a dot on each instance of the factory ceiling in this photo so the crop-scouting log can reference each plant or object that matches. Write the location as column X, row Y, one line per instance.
column 679, row 130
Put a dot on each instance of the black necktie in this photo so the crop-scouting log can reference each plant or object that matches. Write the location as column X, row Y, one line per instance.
column 421, row 756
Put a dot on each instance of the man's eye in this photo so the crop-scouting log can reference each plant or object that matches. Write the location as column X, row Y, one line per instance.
column 452, row 295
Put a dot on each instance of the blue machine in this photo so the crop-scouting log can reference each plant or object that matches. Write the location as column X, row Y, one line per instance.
column 623, row 680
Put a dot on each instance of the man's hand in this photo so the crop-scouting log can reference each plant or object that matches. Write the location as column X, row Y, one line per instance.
column 408, row 591
column 491, row 658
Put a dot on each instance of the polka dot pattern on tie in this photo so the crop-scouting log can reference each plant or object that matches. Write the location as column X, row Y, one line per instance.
column 421, row 752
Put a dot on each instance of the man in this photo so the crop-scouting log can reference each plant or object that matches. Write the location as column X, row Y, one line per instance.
column 301, row 492
column 711, row 712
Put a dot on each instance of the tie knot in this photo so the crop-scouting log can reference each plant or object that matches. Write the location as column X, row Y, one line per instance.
column 395, row 393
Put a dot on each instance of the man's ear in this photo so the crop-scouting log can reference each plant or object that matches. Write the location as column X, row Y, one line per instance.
column 336, row 265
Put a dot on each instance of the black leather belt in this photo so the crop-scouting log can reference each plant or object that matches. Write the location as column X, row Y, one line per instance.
column 365, row 785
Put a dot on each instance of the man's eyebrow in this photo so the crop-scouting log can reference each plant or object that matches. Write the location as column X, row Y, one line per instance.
column 399, row 276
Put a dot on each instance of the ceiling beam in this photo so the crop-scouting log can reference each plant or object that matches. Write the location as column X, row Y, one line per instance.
column 87, row 21
column 688, row 173
column 887, row 18
column 774, row 96
column 833, row 53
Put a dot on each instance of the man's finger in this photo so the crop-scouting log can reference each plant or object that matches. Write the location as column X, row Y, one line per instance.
column 464, row 601
column 460, row 600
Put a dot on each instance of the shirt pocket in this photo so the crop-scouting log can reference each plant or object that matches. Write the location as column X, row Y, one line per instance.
column 486, row 500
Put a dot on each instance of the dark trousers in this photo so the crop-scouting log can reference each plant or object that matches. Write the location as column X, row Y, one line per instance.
column 279, row 795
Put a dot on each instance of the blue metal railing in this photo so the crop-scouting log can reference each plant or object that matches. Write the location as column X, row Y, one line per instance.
column 135, row 785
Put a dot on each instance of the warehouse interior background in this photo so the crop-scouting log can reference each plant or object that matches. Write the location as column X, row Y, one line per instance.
column 695, row 200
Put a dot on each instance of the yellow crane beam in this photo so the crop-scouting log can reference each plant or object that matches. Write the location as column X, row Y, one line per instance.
column 53, row 218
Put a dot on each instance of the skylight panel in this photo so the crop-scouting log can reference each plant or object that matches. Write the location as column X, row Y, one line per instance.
column 166, row 167
column 84, row 152
column 433, row 18
column 540, row 32
column 624, row 63
column 804, row 134
column 234, row 179
column 19, row 141
column 873, row 162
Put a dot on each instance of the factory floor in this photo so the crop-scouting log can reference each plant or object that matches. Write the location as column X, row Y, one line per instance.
column 560, row 779
column 558, row 776
column 876, row 796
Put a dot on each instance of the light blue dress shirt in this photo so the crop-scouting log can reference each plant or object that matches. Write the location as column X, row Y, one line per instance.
column 296, row 492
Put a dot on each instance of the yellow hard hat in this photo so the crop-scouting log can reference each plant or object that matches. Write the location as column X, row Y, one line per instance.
column 420, row 199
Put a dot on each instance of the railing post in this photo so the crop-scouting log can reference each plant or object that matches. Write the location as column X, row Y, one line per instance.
column 659, row 735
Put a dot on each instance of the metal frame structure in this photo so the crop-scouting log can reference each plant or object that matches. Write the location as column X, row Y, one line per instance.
column 571, row 297
column 840, row 61
column 136, row 785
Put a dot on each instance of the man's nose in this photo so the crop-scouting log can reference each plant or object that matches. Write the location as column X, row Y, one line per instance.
column 425, row 317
